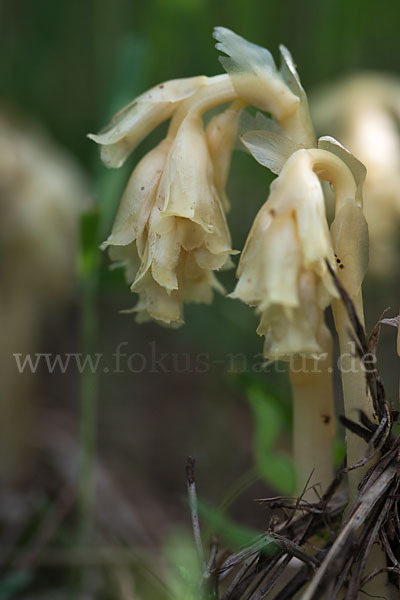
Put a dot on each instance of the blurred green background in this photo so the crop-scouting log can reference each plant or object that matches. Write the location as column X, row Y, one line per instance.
column 69, row 65
column 72, row 63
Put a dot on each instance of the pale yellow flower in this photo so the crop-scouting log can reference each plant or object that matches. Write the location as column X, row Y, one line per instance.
column 170, row 232
column 282, row 271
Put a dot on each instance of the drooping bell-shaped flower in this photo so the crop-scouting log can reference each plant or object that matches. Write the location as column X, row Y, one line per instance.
column 170, row 232
column 282, row 271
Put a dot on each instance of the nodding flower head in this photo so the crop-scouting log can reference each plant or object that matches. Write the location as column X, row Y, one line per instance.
column 282, row 271
column 170, row 232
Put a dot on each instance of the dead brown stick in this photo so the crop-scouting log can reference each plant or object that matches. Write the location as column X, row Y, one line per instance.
column 365, row 505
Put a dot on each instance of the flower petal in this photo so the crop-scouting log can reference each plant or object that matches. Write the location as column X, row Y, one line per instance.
column 156, row 303
column 349, row 232
column 126, row 257
column 297, row 332
column 221, row 135
column 255, row 75
column 290, row 76
column 269, row 148
column 139, row 197
column 136, row 120
column 185, row 186
column 272, row 249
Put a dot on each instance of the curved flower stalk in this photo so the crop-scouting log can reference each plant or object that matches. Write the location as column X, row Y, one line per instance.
column 363, row 111
column 349, row 233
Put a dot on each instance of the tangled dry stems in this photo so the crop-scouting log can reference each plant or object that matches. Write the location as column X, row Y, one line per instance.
column 330, row 544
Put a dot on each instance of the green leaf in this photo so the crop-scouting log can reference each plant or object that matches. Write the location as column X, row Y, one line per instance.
column 89, row 250
column 269, row 423
column 278, row 470
column 184, row 573
column 268, row 420
column 235, row 536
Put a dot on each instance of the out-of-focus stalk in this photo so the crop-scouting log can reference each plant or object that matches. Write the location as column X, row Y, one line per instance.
column 88, row 402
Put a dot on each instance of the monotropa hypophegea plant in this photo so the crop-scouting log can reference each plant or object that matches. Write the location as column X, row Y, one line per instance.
column 171, row 234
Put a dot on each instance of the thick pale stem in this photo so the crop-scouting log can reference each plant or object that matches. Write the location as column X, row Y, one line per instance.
column 331, row 168
column 313, row 420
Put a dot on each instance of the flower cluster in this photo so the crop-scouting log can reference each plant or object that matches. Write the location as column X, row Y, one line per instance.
column 170, row 233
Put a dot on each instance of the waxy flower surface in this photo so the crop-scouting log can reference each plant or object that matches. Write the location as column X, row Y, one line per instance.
column 170, row 232
column 282, row 271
